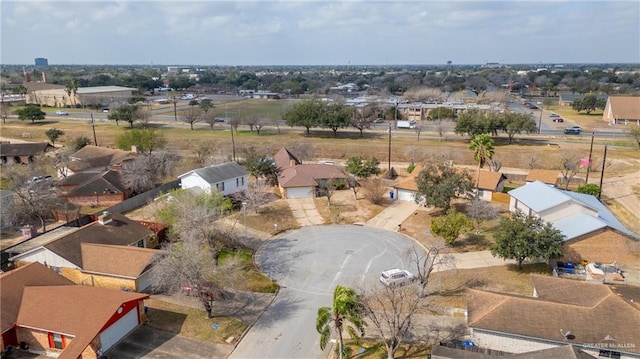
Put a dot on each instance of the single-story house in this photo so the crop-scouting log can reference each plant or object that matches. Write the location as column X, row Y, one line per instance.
column 93, row 158
column 285, row 159
column 490, row 183
column 622, row 110
column 118, row 267
column 22, row 152
column 586, row 223
column 12, row 284
column 36, row 311
column 304, row 181
column 66, row 252
column 103, row 188
column 549, row 177
column 598, row 319
column 566, row 100
column 228, row 178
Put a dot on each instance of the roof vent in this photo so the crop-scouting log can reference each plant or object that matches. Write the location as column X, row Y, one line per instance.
column 105, row 218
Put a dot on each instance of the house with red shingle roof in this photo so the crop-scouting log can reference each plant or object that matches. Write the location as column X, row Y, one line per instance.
column 36, row 311
column 490, row 183
column 297, row 180
column 596, row 318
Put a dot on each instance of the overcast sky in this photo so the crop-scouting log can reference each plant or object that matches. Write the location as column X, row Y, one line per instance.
column 320, row 32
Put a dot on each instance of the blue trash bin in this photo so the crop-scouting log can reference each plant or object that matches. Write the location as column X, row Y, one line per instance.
column 391, row 194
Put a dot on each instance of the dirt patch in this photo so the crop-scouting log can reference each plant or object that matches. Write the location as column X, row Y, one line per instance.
column 344, row 208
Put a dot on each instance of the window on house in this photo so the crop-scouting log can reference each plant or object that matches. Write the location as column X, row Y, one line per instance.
column 222, row 186
column 56, row 341
column 140, row 243
column 242, row 181
column 237, row 182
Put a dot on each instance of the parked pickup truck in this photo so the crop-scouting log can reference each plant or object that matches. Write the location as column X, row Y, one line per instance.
column 407, row 124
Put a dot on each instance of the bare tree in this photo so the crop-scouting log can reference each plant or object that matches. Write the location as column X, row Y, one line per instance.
column 570, row 167
column 210, row 119
column 191, row 115
column 302, row 150
column 442, row 127
column 418, row 131
column 147, row 170
column 251, row 122
column 374, row 190
column 62, row 158
column 327, row 188
column 234, row 122
column 144, row 117
column 425, row 263
column 188, row 267
column 260, row 123
column 389, row 311
column 363, row 118
column 494, row 164
column 35, row 196
column 256, row 195
column 479, row 211
column 354, row 185
column 202, row 154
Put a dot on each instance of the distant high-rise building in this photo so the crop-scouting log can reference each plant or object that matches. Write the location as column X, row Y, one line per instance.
column 42, row 62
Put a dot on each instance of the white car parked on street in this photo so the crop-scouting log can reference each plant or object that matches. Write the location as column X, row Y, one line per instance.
column 396, row 277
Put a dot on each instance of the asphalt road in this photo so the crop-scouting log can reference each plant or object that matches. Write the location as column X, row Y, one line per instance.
column 308, row 264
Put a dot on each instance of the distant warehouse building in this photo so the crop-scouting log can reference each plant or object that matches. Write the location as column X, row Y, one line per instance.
column 99, row 96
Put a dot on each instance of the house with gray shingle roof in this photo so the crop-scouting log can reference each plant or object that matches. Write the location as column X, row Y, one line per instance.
column 228, row 178
column 22, row 152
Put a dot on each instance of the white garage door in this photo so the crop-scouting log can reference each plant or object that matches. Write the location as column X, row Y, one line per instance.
column 299, row 192
column 119, row 329
column 404, row 195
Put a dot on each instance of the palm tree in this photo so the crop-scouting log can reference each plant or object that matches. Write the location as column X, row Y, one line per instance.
column 482, row 145
column 72, row 87
column 346, row 308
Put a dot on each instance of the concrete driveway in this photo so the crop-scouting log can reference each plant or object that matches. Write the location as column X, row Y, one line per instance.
column 150, row 343
column 305, row 212
column 393, row 215
column 308, row 263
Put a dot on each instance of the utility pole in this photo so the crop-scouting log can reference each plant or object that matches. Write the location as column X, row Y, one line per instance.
column 175, row 110
column 593, row 134
column 604, row 160
column 389, row 130
column 93, row 127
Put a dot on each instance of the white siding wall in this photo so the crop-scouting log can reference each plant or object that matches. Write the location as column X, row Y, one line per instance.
column 234, row 185
column 507, row 343
column 512, row 344
column 565, row 209
column 47, row 257
column 192, row 180
column 514, row 205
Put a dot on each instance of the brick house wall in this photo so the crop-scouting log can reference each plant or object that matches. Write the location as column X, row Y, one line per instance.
column 38, row 341
column 97, row 199
column 96, row 280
